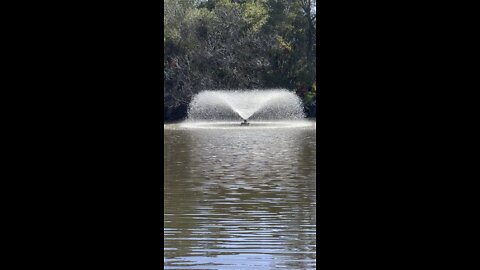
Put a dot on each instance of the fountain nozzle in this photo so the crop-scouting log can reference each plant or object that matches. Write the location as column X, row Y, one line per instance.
column 245, row 123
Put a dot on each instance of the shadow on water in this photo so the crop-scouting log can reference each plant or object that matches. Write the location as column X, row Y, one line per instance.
column 240, row 199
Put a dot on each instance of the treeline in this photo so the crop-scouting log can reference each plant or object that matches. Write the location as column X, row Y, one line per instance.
column 243, row 44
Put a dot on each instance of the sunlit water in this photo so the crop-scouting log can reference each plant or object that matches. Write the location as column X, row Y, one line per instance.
column 240, row 197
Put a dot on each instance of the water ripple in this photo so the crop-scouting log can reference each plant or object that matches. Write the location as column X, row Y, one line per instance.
column 240, row 200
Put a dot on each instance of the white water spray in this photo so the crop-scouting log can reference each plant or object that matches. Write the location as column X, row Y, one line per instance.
column 271, row 104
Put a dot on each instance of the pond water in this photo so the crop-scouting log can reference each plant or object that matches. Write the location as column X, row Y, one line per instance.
column 240, row 197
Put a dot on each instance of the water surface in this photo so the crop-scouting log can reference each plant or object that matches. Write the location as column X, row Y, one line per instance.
column 240, row 197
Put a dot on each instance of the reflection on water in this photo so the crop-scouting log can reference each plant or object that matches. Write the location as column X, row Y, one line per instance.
column 240, row 198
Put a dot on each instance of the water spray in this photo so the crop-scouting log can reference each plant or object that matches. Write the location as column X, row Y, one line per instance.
column 267, row 104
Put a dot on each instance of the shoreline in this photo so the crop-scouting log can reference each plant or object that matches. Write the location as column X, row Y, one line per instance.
column 173, row 122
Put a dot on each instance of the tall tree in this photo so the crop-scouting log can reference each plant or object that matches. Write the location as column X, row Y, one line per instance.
column 309, row 9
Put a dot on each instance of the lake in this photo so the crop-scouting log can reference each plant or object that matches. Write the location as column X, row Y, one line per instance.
column 240, row 197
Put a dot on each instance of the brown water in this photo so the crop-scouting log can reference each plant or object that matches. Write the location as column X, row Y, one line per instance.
column 240, row 198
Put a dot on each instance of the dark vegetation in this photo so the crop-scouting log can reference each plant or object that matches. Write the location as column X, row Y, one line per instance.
column 242, row 44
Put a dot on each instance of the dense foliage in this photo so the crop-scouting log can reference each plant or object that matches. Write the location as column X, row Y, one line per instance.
column 228, row 44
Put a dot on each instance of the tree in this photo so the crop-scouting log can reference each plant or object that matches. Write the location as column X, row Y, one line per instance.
column 309, row 9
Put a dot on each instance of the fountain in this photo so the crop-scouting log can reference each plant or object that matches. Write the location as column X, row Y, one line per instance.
column 269, row 108
column 272, row 104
